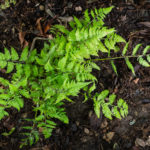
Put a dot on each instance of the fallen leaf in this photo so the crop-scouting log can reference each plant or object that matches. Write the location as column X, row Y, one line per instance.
column 136, row 80
column 39, row 27
column 23, row 42
column 104, row 124
column 47, row 26
column 108, row 137
column 21, row 37
column 140, row 142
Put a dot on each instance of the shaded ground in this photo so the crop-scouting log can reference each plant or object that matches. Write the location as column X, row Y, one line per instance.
column 28, row 19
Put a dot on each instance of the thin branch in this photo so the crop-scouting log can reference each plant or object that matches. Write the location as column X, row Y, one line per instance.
column 114, row 58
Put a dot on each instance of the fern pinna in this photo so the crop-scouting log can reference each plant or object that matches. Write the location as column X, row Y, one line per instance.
column 60, row 71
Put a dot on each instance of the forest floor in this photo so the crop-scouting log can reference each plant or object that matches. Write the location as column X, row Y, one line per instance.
column 21, row 23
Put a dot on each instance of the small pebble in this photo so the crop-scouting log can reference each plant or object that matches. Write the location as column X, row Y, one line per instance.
column 79, row 8
column 132, row 122
column 86, row 131
column 41, row 7
column 4, row 42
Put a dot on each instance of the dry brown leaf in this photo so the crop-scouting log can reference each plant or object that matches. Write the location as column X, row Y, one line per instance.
column 136, row 80
column 23, row 42
column 47, row 26
column 109, row 136
column 39, row 27
column 21, row 37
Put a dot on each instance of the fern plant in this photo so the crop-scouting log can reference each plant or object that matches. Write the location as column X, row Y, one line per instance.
column 7, row 4
column 60, row 71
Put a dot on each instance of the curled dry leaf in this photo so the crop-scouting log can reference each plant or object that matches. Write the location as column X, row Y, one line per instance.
column 39, row 27
column 136, row 80
column 23, row 42
column 47, row 25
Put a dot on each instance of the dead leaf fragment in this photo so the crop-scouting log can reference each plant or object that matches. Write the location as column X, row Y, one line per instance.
column 104, row 124
column 136, row 80
column 108, row 137
column 47, row 26
column 23, row 42
column 140, row 142
column 39, row 27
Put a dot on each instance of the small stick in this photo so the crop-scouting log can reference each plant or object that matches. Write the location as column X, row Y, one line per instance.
column 35, row 39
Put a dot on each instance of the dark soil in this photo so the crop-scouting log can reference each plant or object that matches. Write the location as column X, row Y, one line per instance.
column 20, row 25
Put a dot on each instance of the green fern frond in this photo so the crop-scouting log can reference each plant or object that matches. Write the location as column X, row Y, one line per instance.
column 24, row 54
column 146, row 49
column 7, row 54
column 78, row 23
column 148, row 58
column 143, row 62
column 32, row 137
column 114, row 67
column 129, row 64
column 3, row 112
column 136, row 49
column 14, row 54
column 125, row 49
column 86, row 16
column 108, row 107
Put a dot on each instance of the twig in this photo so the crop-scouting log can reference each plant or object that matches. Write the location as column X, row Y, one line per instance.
column 34, row 40
column 113, row 58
